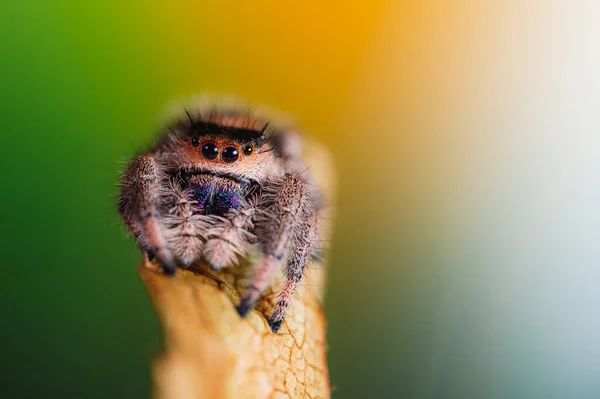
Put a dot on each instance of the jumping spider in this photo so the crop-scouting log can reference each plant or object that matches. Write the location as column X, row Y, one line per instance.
column 219, row 182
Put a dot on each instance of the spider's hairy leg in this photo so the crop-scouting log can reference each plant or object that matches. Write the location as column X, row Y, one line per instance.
column 136, row 230
column 138, row 205
column 229, row 238
column 184, row 228
column 286, row 202
column 300, row 254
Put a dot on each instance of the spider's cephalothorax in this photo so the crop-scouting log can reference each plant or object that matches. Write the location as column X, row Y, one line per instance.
column 217, row 183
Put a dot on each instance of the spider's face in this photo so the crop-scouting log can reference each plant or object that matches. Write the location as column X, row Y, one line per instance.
column 233, row 146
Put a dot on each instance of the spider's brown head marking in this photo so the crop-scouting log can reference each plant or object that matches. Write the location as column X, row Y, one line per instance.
column 223, row 142
column 223, row 145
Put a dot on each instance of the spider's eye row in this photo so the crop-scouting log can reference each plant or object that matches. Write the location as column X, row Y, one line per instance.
column 196, row 141
column 248, row 150
column 210, row 151
column 230, row 154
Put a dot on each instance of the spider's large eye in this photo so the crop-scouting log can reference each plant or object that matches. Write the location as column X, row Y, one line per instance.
column 210, row 151
column 248, row 150
column 196, row 141
column 230, row 154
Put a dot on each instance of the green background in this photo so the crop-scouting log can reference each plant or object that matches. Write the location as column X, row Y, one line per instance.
column 465, row 254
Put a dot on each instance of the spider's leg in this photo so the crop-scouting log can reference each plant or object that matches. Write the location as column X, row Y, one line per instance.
column 284, row 204
column 300, row 254
column 229, row 238
column 185, row 230
column 138, row 205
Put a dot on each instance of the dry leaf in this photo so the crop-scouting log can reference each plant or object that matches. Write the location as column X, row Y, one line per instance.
column 210, row 352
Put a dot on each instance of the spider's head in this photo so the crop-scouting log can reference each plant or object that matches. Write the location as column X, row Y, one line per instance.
column 222, row 143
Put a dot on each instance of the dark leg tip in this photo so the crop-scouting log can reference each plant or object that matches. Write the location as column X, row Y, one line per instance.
column 245, row 307
column 249, row 300
column 275, row 324
column 169, row 269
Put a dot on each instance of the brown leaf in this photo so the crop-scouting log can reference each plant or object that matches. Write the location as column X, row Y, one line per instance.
column 210, row 352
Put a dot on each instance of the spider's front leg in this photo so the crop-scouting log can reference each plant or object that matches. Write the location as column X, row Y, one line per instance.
column 301, row 251
column 285, row 208
column 141, row 191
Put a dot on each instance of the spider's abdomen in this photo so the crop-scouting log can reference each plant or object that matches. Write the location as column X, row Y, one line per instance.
column 216, row 195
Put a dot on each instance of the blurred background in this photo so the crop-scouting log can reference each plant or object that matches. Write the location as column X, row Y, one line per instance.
column 465, row 260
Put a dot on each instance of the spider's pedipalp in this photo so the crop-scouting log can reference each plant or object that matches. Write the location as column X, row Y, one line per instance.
column 229, row 238
column 185, row 230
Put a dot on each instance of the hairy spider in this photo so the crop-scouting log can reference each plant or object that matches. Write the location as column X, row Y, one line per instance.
column 220, row 181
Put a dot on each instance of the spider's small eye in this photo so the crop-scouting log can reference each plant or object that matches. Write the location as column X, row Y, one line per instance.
column 196, row 141
column 248, row 150
column 210, row 151
column 230, row 154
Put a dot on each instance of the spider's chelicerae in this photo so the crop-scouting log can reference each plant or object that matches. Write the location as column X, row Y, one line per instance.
column 219, row 182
